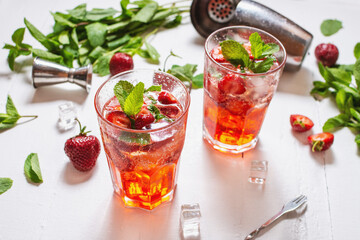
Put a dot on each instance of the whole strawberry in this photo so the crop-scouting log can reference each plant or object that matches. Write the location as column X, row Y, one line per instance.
column 327, row 54
column 83, row 150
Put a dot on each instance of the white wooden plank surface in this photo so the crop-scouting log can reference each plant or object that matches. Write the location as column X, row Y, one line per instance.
column 73, row 205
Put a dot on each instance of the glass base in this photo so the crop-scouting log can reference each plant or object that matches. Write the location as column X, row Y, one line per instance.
column 131, row 203
column 222, row 147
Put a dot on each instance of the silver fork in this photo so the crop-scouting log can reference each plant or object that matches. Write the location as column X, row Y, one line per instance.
column 288, row 207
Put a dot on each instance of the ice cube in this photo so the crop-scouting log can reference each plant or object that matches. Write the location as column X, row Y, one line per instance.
column 258, row 171
column 67, row 116
column 190, row 221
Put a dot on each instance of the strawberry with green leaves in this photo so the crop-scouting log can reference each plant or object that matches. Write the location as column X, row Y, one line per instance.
column 83, row 150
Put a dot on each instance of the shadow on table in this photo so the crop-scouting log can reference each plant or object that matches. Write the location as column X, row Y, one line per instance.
column 299, row 83
column 54, row 93
column 72, row 176
column 131, row 223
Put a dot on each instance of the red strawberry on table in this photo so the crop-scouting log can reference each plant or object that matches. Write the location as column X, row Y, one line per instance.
column 321, row 141
column 83, row 150
column 300, row 123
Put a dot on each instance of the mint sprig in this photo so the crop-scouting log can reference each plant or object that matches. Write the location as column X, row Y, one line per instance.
column 262, row 53
column 342, row 83
column 131, row 98
column 11, row 117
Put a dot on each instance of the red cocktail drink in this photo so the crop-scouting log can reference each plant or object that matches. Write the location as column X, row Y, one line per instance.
column 236, row 98
column 143, row 150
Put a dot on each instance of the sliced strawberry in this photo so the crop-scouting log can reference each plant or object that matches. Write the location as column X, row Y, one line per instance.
column 119, row 118
column 143, row 118
column 300, row 123
column 166, row 98
column 237, row 106
column 232, row 84
column 216, row 54
column 321, row 141
column 170, row 111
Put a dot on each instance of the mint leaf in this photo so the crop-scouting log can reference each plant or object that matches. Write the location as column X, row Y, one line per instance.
column 134, row 101
column 139, row 138
column 154, row 55
column 341, row 99
column 101, row 65
column 357, row 50
column 154, row 88
column 336, row 122
column 355, row 114
column 273, row 48
column 356, row 72
column 32, row 168
column 18, row 36
column 10, row 107
column 198, row 81
column 122, row 90
column 146, row 13
column 330, row 26
column 357, row 140
column 263, row 66
column 157, row 114
column 235, row 53
column 61, row 20
column 47, row 55
column 96, row 33
column 51, row 45
column 5, row 184
column 340, row 75
column 98, row 14
column 258, row 47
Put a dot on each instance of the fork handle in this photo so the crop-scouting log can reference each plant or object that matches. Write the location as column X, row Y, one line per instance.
column 267, row 223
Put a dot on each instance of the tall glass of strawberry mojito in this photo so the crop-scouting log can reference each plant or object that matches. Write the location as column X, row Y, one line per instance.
column 242, row 70
column 142, row 116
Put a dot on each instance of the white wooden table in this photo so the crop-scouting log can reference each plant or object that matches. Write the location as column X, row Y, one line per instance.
column 74, row 205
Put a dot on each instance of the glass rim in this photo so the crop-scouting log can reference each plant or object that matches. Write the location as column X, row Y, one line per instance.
column 255, row 30
column 186, row 107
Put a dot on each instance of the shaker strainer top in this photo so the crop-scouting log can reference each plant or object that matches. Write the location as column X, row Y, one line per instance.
column 221, row 11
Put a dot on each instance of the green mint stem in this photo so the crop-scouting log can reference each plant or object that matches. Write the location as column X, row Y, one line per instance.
column 32, row 116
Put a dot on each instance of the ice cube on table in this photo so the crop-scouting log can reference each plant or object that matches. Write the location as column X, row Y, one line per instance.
column 190, row 221
column 67, row 116
column 258, row 171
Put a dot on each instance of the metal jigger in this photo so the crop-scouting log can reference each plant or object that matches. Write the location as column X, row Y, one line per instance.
column 45, row 73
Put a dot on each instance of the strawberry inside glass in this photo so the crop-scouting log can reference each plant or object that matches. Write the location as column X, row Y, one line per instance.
column 235, row 98
column 143, row 151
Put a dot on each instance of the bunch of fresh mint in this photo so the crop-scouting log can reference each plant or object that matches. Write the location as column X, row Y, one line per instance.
column 262, row 53
column 343, row 83
column 94, row 36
